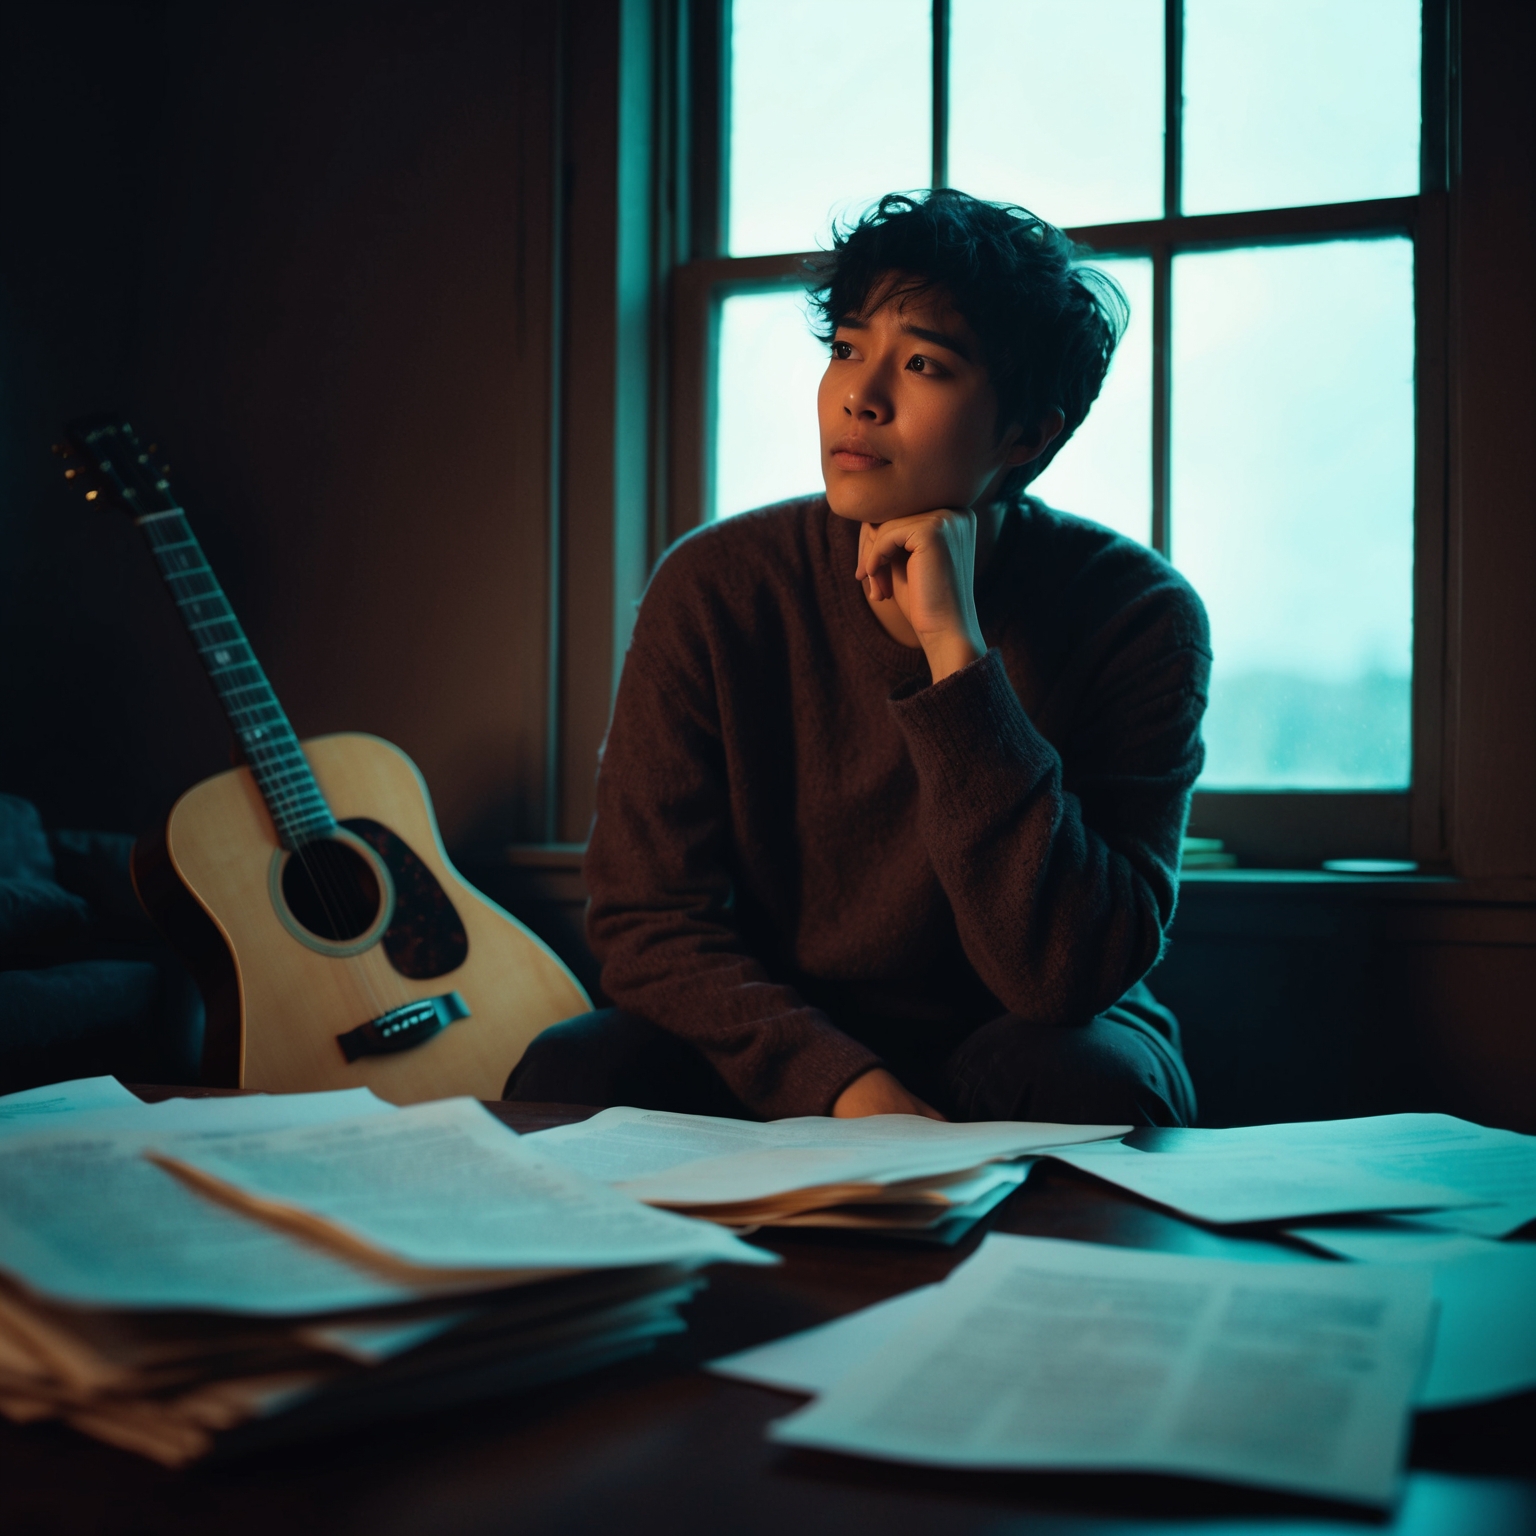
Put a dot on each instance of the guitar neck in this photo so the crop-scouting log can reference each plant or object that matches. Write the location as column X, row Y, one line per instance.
column 267, row 740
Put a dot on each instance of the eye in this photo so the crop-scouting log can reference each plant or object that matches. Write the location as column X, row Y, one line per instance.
column 842, row 350
column 921, row 364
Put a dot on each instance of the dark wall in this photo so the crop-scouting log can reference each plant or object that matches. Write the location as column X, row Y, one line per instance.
column 310, row 249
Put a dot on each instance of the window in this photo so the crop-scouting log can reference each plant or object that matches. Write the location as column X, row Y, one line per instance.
column 1260, row 176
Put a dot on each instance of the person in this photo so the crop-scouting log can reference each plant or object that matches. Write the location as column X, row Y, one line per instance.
column 890, row 808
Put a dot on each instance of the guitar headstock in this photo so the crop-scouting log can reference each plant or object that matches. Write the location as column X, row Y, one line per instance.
column 104, row 456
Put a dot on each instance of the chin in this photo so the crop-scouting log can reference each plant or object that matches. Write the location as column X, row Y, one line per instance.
column 859, row 506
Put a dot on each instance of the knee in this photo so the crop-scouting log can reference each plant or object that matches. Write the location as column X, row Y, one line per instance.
column 1105, row 1072
column 558, row 1061
column 1114, row 1075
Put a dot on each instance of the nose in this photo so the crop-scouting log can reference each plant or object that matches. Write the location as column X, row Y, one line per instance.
column 868, row 398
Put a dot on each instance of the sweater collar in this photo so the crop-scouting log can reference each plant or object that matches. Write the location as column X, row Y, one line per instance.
column 897, row 661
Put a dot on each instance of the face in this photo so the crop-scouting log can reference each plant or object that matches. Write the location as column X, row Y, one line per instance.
column 908, row 414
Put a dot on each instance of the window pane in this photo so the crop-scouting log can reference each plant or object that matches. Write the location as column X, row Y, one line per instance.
column 1105, row 470
column 767, row 445
column 1290, row 102
column 831, row 106
column 1059, row 107
column 1292, row 510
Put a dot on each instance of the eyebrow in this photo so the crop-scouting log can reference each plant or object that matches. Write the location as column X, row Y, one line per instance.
column 939, row 338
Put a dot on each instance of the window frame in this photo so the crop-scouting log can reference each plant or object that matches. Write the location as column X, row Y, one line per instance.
column 1265, row 828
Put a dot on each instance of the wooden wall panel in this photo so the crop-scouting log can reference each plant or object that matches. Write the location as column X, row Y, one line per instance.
column 1493, row 438
column 331, row 295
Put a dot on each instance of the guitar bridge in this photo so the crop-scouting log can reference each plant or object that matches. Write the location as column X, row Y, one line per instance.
column 403, row 1028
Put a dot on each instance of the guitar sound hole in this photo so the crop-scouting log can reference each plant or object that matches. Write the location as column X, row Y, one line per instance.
column 331, row 890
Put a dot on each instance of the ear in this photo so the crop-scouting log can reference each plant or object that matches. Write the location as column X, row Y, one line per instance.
column 1027, row 446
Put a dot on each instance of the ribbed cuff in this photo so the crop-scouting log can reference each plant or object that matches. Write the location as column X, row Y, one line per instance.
column 965, row 730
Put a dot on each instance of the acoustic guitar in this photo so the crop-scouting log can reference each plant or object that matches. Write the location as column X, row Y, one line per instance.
column 309, row 890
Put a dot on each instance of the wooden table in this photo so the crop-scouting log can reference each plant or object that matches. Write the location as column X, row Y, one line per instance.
column 659, row 1446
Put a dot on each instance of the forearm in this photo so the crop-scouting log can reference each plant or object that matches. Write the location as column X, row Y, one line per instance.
column 776, row 1053
column 1058, row 915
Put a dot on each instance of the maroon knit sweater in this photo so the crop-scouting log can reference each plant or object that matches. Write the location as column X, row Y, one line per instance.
column 800, row 838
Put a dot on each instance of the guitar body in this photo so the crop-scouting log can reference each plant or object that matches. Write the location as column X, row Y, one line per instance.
column 281, row 994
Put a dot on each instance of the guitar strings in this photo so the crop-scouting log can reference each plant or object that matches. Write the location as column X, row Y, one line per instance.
column 369, row 976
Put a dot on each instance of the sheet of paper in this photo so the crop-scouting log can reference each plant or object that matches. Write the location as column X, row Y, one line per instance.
column 1037, row 1353
column 445, row 1185
column 817, row 1359
column 235, row 1115
column 1481, row 1162
column 1251, row 1183
column 1476, row 1220
column 688, row 1160
column 1485, row 1337
column 36, row 1108
column 84, row 1218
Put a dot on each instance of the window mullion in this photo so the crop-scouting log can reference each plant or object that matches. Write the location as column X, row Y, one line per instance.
column 940, row 167
column 1173, row 108
column 1162, row 395
column 1162, row 279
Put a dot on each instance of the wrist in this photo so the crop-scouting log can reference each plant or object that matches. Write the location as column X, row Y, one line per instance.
column 947, row 653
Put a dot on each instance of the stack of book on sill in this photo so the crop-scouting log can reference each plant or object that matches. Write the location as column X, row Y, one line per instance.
column 892, row 1175
column 224, row 1274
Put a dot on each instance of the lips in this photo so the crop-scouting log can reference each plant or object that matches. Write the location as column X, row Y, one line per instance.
column 854, row 454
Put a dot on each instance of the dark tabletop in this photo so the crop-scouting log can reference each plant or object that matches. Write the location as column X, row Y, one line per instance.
column 658, row 1445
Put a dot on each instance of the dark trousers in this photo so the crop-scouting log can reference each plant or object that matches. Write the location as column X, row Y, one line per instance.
column 1122, row 1068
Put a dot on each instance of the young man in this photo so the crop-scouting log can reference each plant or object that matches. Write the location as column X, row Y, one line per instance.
column 890, row 810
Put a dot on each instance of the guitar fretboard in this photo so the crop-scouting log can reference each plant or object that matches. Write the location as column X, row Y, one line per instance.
column 268, row 742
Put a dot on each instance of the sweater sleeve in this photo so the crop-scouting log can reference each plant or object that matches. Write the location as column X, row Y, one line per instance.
column 1062, row 877
column 658, row 871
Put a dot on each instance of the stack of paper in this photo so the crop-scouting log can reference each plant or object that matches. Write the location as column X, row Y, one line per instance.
column 238, row 1271
column 895, row 1174
column 1044, row 1354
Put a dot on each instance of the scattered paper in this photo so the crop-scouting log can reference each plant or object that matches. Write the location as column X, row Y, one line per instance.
column 1494, row 1171
column 1499, row 1220
column 445, row 1186
column 696, row 1160
column 1236, row 1183
column 1046, row 1354
column 815, row 1360
column 1485, row 1338
column 35, row 1108
column 234, row 1114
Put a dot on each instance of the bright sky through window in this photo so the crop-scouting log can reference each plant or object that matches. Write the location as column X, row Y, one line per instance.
column 1105, row 470
column 1059, row 106
column 1293, row 506
column 767, row 445
column 1293, row 102
column 831, row 106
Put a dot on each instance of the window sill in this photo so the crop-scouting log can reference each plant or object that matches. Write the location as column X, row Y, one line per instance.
column 1326, row 885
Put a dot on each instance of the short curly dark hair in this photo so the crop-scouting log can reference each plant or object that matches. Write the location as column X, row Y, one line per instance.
column 1048, row 325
